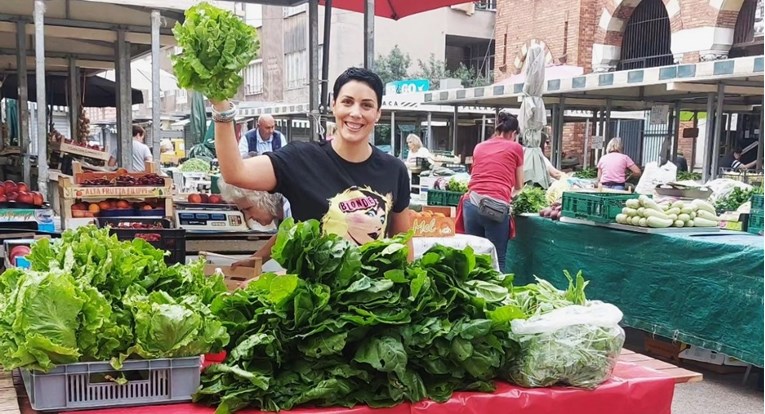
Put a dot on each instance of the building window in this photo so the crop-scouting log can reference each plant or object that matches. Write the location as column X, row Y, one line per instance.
column 647, row 38
column 253, row 78
column 486, row 5
column 748, row 34
column 296, row 69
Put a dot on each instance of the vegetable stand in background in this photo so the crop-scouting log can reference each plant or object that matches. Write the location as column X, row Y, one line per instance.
column 703, row 290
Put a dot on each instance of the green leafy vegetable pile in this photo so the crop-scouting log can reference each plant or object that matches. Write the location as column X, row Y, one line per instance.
column 359, row 325
column 733, row 200
column 196, row 165
column 587, row 173
column 457, row 186
column 216, row 45
column 90, row 297
column 352, row 325
column 530, row 200
column 688, row 176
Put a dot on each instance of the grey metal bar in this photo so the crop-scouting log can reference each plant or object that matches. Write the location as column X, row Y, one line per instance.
column 676, row 133
column 692, row 160
column 313, row 67
column 21, row 62
column 561, row 122
column 156, row 127
column 761, row 139
column 455, row 129
column 430, row 131
column 718, row 128
column 708, row 139
column 586, row 155
column 393, row 135
column 554, row 132
column 483, row 128
column 326, row 37
column 74, row 99
column 84, row 24
column 42, row 113
column 369, row 34
column 124, row 102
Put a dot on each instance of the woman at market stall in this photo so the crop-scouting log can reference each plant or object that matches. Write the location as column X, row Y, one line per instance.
column 496, row 175
column 613, row 167
column 354, row 188
column 416, row 150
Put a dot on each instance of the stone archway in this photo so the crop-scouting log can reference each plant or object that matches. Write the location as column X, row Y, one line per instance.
column 606, row 48
column 520, row 59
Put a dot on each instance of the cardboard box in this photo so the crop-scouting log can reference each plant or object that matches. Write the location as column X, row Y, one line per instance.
column 433, row 226
column 234, row 278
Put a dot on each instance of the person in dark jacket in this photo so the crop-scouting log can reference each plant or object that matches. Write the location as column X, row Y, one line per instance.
column 265, row 138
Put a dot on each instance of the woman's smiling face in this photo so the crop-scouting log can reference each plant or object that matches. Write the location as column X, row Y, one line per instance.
column 356, row 111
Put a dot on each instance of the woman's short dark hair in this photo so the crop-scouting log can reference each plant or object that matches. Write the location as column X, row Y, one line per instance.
column 138, row 130
column 360, row 75
column 506, row 122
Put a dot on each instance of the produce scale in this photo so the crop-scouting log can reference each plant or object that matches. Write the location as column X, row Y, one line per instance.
column 200, row 217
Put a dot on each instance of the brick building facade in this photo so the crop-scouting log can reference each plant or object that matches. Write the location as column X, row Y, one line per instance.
column 590, row 33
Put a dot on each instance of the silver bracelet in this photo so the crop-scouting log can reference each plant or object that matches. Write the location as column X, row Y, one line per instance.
column 224, row 116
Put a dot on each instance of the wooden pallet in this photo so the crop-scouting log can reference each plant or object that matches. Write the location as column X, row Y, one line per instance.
column 9, row 403
column 680, row 375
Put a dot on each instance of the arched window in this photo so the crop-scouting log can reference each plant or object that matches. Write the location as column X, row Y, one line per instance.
column 647, row 37
column 747, row 36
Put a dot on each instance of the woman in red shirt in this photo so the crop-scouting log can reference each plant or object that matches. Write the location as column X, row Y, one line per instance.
column 496, row 174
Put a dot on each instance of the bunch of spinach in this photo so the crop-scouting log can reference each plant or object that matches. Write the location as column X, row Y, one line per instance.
column 531, row 199
column 216, row 45
column 733, row 200
column 90, row 297
column 359, row 325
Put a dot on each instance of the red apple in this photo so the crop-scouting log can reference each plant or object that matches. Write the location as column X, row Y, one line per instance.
column 25, row 197
column 38, row 198
column 10, row 186
column 22, row 187
column 3, row 199
column 12, row 195
column 216, row 199
column 2, row 190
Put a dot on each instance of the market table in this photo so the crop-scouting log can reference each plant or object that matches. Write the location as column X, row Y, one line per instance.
column 632, row 390
column 700, row 289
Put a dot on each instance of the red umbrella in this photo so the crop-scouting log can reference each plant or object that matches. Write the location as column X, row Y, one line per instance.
column 394, row 9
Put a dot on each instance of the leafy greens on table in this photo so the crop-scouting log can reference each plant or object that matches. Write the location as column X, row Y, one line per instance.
column 354, row 325
column 90, row 297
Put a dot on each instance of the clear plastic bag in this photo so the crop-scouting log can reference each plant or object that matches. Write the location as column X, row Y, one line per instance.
column 574, row 345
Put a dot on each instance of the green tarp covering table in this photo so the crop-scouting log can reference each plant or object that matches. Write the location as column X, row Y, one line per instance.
column 700, row 289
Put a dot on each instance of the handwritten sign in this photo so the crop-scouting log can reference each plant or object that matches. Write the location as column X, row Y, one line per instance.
column 433, row 226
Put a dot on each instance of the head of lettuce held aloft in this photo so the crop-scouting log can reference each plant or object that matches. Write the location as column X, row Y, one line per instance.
column 216, row 45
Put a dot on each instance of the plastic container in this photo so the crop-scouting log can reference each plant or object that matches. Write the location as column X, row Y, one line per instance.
column 91, row 384
column 155, row 212
column 171, row 240
column 757, row 202
column 443, row 198
column 755, row 222
column 596, row 207
column 117, row 212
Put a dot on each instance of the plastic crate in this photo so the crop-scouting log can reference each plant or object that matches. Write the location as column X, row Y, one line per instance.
column 597, row 207
column 171, row 240
column 757, row 202
column 755, row 222
column 443, row 198
column 114, row 221
column 91, row 384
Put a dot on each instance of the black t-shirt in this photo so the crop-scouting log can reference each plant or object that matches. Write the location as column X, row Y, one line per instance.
column 354, row 200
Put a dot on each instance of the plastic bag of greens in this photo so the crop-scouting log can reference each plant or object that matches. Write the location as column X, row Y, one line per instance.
column 574, row 345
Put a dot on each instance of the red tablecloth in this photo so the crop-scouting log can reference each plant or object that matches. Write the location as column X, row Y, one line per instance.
column 632, row 390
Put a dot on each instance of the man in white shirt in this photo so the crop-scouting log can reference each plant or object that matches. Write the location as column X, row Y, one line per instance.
column 262, row 139
column 141, row 152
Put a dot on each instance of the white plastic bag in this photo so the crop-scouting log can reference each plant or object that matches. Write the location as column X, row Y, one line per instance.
column 654, row 176
column 574, row 345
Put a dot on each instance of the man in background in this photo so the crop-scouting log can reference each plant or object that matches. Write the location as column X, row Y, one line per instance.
column 141, row 152
column 262, row 139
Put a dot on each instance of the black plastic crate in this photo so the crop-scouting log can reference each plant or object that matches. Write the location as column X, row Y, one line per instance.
column 171, row 240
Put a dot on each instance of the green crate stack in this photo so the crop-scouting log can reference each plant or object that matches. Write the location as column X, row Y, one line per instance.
column 756, row 215
column 443, row 198
column 596, row 207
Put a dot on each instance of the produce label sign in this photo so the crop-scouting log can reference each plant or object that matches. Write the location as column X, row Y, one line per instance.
column 433, row 226
column 80, row 192
column 24, row 214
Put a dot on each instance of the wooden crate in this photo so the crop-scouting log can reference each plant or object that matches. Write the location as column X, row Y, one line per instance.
column 81, row 151
column 664, row 349
column 234, row 278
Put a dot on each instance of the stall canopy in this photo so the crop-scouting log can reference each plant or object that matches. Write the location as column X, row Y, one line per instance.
column 97, row 92
column 394, row 9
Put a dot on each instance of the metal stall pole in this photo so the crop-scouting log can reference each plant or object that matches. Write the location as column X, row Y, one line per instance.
column 692, row 165
column 455, row 127
column 21, row 61
column 554, row 139
column 430, row 131
column 369, row 34
column 74, row 100
column 156, row 130
column 393, row 135
column 326, row 37
column 561, row 123
column 586, row 143
column 718, row 128
column 676, row 139
column 313, row 67
column 761, row 140
column 483, row 128
column 124, row 102
column 42, row 113
column 708, row 138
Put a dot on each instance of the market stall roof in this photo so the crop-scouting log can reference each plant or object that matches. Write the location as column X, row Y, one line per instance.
column 86, row 30
column 631, row 90
column 97, row 92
